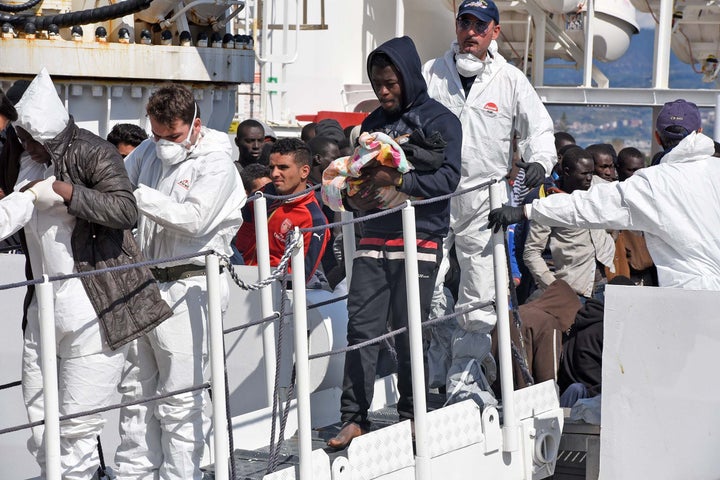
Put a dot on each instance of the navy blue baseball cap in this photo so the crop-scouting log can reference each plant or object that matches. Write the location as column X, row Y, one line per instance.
column 678, row 112
column 484, row 10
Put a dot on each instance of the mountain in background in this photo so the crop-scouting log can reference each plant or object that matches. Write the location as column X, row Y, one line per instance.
column 622, row 126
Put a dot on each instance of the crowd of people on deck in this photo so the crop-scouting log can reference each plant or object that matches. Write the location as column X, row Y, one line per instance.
column 576, row 219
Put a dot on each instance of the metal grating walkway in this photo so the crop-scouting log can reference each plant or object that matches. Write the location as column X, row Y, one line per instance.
column 251, row 464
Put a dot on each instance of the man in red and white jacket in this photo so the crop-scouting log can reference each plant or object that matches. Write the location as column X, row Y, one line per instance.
column 290, row 161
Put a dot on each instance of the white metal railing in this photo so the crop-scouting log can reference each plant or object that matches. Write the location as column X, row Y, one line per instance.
column 511, row 428
column 217, row 357
column 417, row 366
column 302, row 364
column 266, row 58
column 217, row 368
column 266, row 301
column 348, row 231
column 48, row 360
column 50, row 386
column 510, row 423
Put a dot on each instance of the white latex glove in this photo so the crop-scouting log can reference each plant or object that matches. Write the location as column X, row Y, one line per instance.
column 45, row 196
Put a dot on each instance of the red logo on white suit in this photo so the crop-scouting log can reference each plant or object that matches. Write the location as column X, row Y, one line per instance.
column 491, row 107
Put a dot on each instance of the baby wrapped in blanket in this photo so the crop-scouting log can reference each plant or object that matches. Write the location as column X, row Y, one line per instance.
column 409, row 152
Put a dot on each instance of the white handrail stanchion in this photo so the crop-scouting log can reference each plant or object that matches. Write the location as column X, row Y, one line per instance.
column 589, row 40
column 510, row 423
column 217, row 368
column 422, row 452
column 48, row 356
column 663, row 45
column 266, row 300
column 302, row 364
column 348, row 232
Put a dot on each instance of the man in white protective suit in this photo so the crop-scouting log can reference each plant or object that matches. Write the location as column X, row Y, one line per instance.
column 83, row 226
column 494, row 102
column 673, row 203
column 189, row 195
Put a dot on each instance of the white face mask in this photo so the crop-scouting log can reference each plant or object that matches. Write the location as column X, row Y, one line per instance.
column 468, row 65
column 171, row 153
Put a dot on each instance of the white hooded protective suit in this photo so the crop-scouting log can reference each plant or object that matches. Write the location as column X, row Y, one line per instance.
column 673, row 203
column 188, row 207
column 88, row 370
column 501, row 102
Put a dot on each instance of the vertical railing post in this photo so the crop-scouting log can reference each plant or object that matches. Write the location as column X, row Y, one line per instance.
column 589, row 42
column 48, row 363
column 399, row 18
column 217, row 368
column 716, row 132
column 510, row 424
column 348, row 232
column 663, row 45
column 302, row 364
column 266, row 300
column 422, row 452
column 538, row 73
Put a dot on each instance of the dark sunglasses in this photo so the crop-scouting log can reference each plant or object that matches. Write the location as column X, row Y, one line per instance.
column 478, row 26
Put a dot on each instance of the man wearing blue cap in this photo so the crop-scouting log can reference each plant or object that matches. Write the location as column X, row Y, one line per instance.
column 493, row 100
column 676, row 120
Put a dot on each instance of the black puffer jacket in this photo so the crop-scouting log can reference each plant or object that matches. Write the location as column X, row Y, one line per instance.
column 127, row 302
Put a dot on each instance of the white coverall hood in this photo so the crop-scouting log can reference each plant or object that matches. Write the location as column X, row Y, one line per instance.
column 41, row 113
column 211, row 141
column 694, row 146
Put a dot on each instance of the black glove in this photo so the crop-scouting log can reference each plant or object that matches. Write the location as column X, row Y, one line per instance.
column 504, row 216
column 534, row 173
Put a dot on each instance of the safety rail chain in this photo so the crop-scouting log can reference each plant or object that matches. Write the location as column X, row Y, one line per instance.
column 278, row 274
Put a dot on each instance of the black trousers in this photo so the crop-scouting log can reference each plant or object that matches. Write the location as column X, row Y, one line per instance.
column 378, row 299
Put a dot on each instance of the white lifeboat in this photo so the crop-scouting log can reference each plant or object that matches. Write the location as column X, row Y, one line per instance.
column 696, row 28
column 558, row 6
column 614, row 25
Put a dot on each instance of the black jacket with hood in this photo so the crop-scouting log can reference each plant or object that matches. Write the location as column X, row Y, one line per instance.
column 418, row 111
